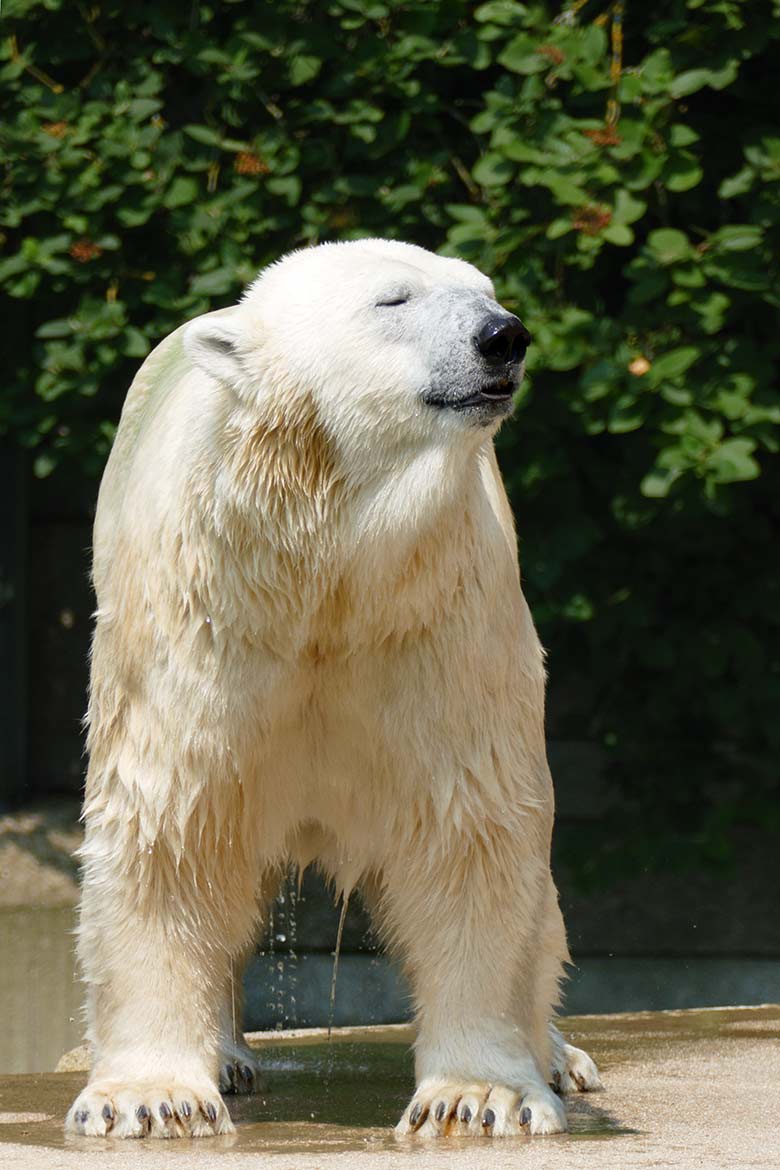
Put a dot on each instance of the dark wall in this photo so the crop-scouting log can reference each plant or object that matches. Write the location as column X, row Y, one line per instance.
column 60, row 605
column 13, row 621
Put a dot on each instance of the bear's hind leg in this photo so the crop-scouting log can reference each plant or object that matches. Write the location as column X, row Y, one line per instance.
column 570, row 1068
column 239, row 1065
column 240, row 1070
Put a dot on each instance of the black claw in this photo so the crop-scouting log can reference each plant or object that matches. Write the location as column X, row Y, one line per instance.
column 414, row 1116
column 108, row 1112
column 142, row 1113
column 210, row 1110
column 525, row 1115
column 441, row 1109
column 185, row 1109
column 247, row 1073
column 488, row 1118
column 465, row 1114
column 556, row 1082
column 82, row 1116
column 165, row 1111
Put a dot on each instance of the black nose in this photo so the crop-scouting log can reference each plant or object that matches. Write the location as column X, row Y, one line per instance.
column 503, row 340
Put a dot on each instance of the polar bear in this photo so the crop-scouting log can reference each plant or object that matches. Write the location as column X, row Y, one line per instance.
column 311, row 644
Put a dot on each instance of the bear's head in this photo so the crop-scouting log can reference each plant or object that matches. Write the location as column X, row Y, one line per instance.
column 392, row 345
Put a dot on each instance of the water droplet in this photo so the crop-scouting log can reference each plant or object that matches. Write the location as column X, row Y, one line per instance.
column 208, row 620
column 334, row 976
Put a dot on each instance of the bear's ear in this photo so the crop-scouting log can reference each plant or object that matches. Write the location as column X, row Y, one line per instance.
column 212, row 344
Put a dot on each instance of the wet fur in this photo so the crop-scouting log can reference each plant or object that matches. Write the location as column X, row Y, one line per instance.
column 303, row 656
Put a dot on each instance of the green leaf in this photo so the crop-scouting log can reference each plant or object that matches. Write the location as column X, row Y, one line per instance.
column 504, row 12
column 695, row 79
column 493, row 170
column 680, row 135
column 682, row 172
column 627, row 414
column 142, row 108
column 592, row 44
column 578, row 608
column 658, row 482
column 669, row 245
column 43, row 465
column 289, row 186
column 522, row 56
column 468, row 213
column 711, row 311
column 740, row 269
column 62, row 327
column 565, row 189
column 656, row 71
column 677, row 395
column 690, row 277
column 135, row 343
column 182, row 191
column 738, row 184
column 519, row 150
column 558, row 228
column 689, row 82
column 672, row 363
column 618, row 233
column 737, row 237
column 204, row 134
column 304, row 69
column 733, row 461
column 218, row 282
column 627, row 209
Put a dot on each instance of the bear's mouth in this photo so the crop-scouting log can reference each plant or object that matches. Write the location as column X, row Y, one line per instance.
column 493, row 396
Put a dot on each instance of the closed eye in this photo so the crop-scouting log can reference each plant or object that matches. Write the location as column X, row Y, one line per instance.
column 393, row 299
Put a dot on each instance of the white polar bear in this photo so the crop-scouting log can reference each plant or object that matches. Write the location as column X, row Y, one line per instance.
column 311, row 643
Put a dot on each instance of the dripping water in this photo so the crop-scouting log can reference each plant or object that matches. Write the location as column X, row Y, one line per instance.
column 293, row 897
column 330, row 1048
column 336, row 954
column 279, row 935
column 233, row 1000
column 281, row 939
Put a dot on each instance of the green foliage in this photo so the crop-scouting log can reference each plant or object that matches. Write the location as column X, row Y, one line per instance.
column 156, row 155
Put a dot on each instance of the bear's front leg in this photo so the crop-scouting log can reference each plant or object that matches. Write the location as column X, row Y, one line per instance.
column 464, row 907
column 158, row 928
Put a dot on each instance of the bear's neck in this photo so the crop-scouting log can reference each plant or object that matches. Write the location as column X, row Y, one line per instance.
column 332, row 559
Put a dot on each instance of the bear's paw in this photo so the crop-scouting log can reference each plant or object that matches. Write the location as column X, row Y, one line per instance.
column 575, row 1072
column 444, row 1108
column 111, row 1109
column 239, row 1069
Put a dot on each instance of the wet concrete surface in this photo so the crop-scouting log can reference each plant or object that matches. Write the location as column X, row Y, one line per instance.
column 683, row 1089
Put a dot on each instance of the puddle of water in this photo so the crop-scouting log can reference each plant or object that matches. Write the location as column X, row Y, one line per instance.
column 40, row 996
column 319, row 1098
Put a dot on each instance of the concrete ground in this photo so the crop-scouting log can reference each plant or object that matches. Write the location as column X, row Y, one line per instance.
column 688, row 1089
